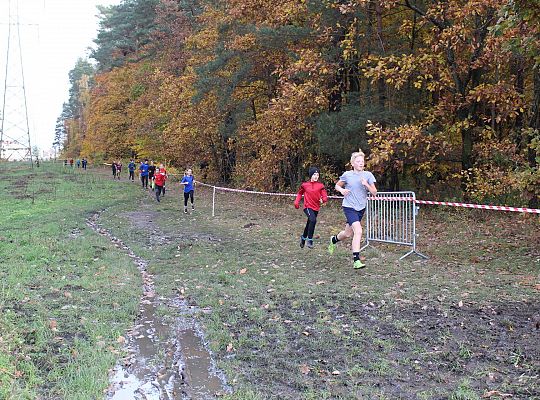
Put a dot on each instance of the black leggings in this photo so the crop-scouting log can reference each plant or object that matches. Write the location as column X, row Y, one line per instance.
column 144, row 180
column 311, row 222
column 159, row 190
column 188, row 195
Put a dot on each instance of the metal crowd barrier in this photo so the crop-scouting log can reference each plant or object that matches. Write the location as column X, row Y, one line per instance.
column 391, row 218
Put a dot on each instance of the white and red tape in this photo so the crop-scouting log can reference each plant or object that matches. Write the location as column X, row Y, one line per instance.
column 428, row 202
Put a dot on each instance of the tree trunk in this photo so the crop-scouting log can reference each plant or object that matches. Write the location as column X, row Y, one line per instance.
column 466, row 151
column 368, row 41
column 518, row 69
column 534, row 124
column 381, row 85
column 394, row 180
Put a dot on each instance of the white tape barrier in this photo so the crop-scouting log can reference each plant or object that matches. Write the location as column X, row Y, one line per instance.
column 428, row 202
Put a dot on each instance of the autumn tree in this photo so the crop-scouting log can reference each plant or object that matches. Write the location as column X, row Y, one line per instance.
column 519, row 24
column 441, row 95
column 474, row 102
column 73, row 117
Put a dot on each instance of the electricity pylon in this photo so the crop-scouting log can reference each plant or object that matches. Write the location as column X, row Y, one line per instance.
column 14, row 129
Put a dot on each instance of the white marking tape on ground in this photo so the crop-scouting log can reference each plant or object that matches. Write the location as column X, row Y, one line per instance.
column 428, row 202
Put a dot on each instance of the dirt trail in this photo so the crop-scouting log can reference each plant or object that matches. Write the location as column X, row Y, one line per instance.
column 167, row 359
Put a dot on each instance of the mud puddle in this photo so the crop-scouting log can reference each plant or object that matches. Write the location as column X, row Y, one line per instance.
column 167, row 358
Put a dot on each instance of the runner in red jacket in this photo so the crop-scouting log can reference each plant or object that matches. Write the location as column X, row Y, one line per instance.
column 160, row 176
column 314, row 195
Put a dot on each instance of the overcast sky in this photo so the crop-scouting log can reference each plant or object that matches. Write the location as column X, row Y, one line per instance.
column 54, row 33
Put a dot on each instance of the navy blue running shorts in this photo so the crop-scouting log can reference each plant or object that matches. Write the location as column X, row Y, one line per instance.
column 352, row 215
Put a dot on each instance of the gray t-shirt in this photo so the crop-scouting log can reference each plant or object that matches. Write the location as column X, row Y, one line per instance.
column 357, row 199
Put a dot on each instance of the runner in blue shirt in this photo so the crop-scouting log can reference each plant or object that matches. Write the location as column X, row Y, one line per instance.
column 131, row 168
column 189, row 188
column 143, row 169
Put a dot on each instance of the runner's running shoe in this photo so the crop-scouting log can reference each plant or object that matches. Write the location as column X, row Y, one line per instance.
column 358, row 264
column 302, row 242
column 331, row 247
column 310, row 243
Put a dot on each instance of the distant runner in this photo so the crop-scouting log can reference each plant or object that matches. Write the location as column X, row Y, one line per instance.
column 160, row 177
column 131, row 169
column 113, row 167
column 151, row 172
column 189, row 188
column 143, row 169
column 118, row 169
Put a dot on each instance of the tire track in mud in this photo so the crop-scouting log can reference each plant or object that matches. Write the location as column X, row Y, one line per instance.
column 166, row 359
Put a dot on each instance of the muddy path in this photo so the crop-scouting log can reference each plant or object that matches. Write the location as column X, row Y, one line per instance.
column 287, row 323
column 167, row 357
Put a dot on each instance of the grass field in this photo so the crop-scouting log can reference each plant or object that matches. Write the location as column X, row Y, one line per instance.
column 282, row 322
column 66, row 294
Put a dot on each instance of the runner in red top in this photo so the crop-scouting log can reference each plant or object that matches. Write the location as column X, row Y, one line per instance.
column 160, row 176
column 314, row 195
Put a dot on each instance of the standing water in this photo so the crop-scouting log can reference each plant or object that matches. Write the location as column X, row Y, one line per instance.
column 167, row 359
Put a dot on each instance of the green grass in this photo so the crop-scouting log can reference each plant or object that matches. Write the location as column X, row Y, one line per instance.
column 282, row 322
column 63, row 302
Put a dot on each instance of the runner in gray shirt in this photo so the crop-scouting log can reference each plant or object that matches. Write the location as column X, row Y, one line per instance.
column 355, row 186
column 358, row 192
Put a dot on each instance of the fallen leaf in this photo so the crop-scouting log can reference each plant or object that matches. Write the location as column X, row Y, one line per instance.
column 229, row 347
column 492, row 393
column 336, row 372
column 121, row 339
column 243, row 270
column 460, row 304
column 53, row 325
column 306, row 333
column 304, row 369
